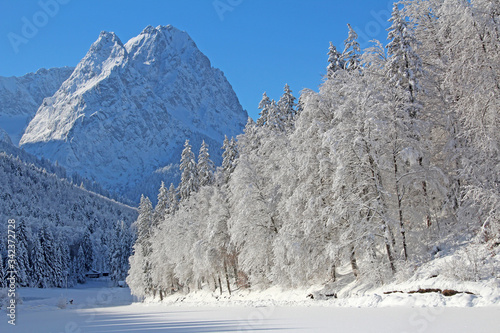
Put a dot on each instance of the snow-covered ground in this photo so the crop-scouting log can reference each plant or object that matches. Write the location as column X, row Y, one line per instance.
column 97, row 307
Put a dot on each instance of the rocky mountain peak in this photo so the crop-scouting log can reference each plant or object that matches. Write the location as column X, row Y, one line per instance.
column 127, row 109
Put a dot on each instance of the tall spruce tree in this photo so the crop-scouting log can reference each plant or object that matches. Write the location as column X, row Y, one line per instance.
column 205, row 166
column 161, row 206
column 79, row 266
column 88, row 250
column 350, row 57
column 189, row 174
column 287, row 107
column 229, row 157
column 334, row 61
column 264, row 106
column 23, row 267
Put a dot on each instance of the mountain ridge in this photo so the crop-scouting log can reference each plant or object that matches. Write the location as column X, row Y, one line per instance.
column 20, row 97
column 127, row 109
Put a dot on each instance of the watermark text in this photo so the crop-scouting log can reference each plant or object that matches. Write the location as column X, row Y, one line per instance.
column 11, row 271
column 32, row 24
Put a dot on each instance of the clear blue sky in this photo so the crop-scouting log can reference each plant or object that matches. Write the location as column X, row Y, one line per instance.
column 260, row 45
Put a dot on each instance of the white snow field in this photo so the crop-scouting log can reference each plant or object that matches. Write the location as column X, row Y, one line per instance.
column 98, row 308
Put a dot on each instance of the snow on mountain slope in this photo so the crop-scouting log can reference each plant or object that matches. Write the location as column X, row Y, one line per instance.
column 4, row 137
column 20, row 97
column 127, row 109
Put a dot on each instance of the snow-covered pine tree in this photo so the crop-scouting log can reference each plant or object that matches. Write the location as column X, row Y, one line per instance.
column 404, row 66
column 334, row 61
column 61, row 262
column 52, row 256
column 350, row 57
column 287, row 107
column 120, row 252
column 229, row 157
column 300, row 105
column 205, row 166
column 189, row 177
column 88, row 250
column 276, row 119
column 173, row 199
column 79, row 266
column 139, row 278
column 264, row 110
column 39, row 264
column 23, row 267
column 162, row 206
column 144, row 223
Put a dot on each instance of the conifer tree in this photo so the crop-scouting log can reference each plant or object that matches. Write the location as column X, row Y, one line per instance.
column 287, row 106
column 88, row 250
column 334, row 61
column 405, row 65
column 23, row 267
column 39, row 264
column 229, row 157
column 350, row 57
column 79, row 266
column 120, row 252
column 51, row 254
column 189, row 177
column 162, row 205
column 144, row 222
column 173, row 199
column 140, row 274
column 276, row 120
column 264, row 106
column 205, row 166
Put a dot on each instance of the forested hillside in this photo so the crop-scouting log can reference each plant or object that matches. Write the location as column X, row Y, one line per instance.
column 62, row 231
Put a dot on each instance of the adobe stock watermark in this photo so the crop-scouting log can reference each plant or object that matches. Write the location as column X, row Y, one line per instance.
column 374, row 27
column 422, row 318
column 11, row 276
column 255, row 319
column 223, row 6
column 32, row 24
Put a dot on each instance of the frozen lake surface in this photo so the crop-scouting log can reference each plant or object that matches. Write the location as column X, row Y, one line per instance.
column 98, row 308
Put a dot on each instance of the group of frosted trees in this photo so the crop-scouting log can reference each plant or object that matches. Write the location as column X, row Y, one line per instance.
column 62, row 231
column 395, row 158
column 49, row 258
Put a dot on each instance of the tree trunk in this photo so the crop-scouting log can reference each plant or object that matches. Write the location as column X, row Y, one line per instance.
column 385, row 227
column 388, row 247
column 354, row 263
column 426, row 196
column 227, row 278
column 220, row 284
column 399, row 197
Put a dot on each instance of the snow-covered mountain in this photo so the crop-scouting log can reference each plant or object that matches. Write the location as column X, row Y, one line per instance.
column 4, row 137
column 127, row 109
column 20, row 97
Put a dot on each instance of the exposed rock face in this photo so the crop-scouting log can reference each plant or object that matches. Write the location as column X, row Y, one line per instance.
column 127, row 109
column 20, row 97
